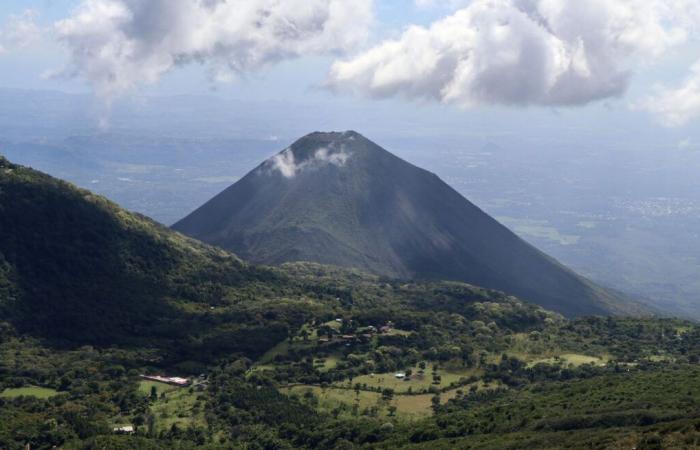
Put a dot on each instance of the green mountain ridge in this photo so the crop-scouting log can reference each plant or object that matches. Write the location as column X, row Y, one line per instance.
column 340, row 199
column 302, row 355
column 77, row 269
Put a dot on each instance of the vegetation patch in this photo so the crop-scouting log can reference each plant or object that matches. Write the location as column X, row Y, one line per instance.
column 350, row 403
column 182, row 407
column 29, row 391
column 416, row 379
column 572, row 359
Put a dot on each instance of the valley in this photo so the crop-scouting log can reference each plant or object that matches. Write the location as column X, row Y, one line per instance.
column 300, row 355
column 612, row 382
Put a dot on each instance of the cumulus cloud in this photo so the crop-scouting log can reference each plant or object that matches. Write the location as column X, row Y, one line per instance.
column 118, row 45
column 19, row 31
column 286, row 163
column 675, row 107
column 521, row 52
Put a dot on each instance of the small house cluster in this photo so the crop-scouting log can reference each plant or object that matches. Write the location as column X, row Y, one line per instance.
column 361, row 334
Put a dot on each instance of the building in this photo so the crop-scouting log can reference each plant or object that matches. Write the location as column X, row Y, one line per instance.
column 174, row 381
column 124, row 430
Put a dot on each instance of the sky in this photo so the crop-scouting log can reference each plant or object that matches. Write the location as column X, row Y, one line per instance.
column 632, row 61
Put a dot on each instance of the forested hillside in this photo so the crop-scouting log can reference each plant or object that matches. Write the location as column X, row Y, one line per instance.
column 77, row 269
column 300, row 356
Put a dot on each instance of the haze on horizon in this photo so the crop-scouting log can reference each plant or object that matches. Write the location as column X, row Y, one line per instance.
column 574, row 123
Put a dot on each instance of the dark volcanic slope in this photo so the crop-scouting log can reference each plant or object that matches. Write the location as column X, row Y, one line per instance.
column 338, row 198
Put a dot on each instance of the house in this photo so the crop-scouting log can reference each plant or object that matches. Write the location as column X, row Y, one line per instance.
column 386, row 327
column 124, row 430
column 367, row 330
column 174, row 381
column 400, row 375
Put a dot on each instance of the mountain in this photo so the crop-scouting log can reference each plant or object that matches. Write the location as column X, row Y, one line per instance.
column 340, row 199
column 272, row 353
column 77, row 269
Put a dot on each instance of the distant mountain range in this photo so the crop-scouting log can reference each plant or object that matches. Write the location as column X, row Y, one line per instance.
column 340, row 199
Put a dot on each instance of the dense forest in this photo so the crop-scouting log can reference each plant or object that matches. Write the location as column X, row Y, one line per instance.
column 92, row 298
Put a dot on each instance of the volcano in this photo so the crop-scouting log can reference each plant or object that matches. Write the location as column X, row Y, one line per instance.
column 340, row 199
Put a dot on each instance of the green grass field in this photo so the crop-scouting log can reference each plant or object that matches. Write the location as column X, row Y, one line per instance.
column 539, row 229
column 407, row 406
column 327, row 363
column 418, row 382
column 178, row 405
column 283, row 348
column 146, row 385
column 572, row 359
column 29, row 391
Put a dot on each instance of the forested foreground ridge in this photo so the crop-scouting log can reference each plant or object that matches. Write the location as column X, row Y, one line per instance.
column 117, row 333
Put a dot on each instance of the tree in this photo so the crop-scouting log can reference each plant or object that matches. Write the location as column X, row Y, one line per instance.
column 435, row 401
column 392, row 410
column 139, row 420
column 154, row 393
column 483, row 358
column 467, row 358
column 387, row 394
column 151, row 424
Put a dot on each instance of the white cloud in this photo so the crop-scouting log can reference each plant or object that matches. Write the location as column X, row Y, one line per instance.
column 20, row 31
column 286, row 163
column 118, row 45
column 521, row 52
column 675, row 107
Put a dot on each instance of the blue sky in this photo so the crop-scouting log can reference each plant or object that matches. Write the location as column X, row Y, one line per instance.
column 298, row 79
